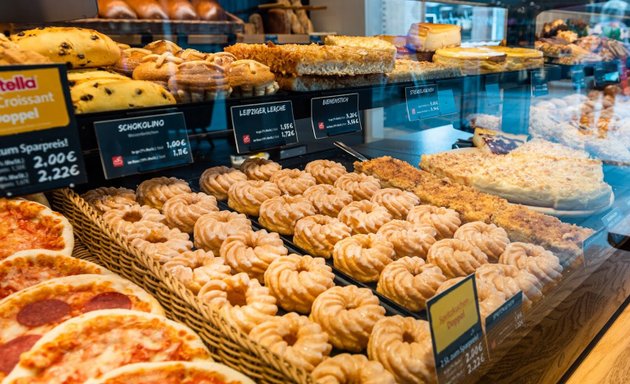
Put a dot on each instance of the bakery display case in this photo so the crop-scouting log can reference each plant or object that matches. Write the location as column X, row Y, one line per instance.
column 320, row 192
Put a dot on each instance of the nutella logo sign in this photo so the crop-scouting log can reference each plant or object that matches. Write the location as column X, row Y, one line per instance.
column 18, row 83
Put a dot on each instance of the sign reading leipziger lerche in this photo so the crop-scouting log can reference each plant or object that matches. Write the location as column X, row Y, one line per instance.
column 39, row 143
column 262, row 126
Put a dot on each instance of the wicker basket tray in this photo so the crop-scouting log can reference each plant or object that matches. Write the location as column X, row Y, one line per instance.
column 227, row 344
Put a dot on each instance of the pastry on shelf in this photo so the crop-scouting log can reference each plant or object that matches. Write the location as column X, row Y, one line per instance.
column 209, row 10
column 12, row 54
column 163, row 244
column 106, row 198
column 396, row 201
column 456, row 258
column 156, row 191
column 521, row 58
column 426, row 38
column 445, row 221
column 159, row 47
column 256, row 168
column 360, row 186
column 130, row 58
column 195, row 268
column 472, row 61
column 75, row 47
column 247, row 196
column 328, row 200
column 489, row 238
column 403, row 345
column 412, row 71
column 325, row 171
column 131, row 221
column 318, row 234
column 279, row 214
column 243, row 301
column 115, row 9
column 364, row 216
column 319, row 60
column 296, row 281
column 363, row 256
column 182, row 211
column 157, row 67
column 310, row 343
column 348, row 315
column 213, row 228
column 179, row 9
column 409, row 239
column 148, row 9
column 373, row 44
column 292, row 181
column 216, row 181
column 536, row 260
column 197, row 81
column 347, row 368
column 410, row 282
column 251, row 78
column 252, row 252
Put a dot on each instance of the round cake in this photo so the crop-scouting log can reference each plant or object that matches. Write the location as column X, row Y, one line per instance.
column 348, row 315
column 327, row 199
column 364, row 217
column 359, row 185
column 279, row 214
column 396, row 201
column 318, row 234
column 456, row 258
column 325, row 171
column 363, row 256
column 216, row 181
column 296, row 281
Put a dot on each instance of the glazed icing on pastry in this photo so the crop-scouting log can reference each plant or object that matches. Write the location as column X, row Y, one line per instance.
column 363, row 256
column 247, row 196
column 279, row 214
column 213, row 228
column 293, row 181
column 489, row 238
column 444, row 220
column 154, row 192
column 216, row 181
column 259, row 169
column 325, row 171
column 407, row 238
column 456, row 258
column 360, row 186
column 318, row 234
column 535, row 259
column 327, row 199
column 182, row 211
column 364, row 216
column 346, row 368
column 397, row 201
column 252, row 252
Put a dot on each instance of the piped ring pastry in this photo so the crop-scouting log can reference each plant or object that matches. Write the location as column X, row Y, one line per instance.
column 195, row 268
column 252, row 252
column 535, row 259
column 164, row 244
column 508, row 280
column 242, row 301
column 197, row 81
column 296, row 281
column 182, row 211
column 346, row 368
column 213, row 228
column 318, row 234
column 407, row 238
column 397, row 201
column 327, row 199
column 105, row 198
column 256, row 168
column 154, row 192
column 359, row 185
column 325, row 171
column 216, row 181
column 293, row 181
column 363, row 256
column 444, row 220
column 348, row 315
column 410, row 282
column 247, row 196
column 251, row 78
column 296, row 338
column 403, row 345
column 279, row 214
column 364, row 216
column 456, row 257
column 491, row 239
column 129, row 222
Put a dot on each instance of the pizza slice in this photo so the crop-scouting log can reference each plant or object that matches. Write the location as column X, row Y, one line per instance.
column 93, row 344
column 28, row 314
column 33, row 267
column 27, row 225
column 173, row 372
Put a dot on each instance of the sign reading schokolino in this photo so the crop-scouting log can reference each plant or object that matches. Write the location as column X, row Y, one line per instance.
column 39, row 143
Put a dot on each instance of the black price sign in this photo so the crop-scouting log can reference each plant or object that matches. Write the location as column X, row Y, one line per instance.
column 578, row 79
column 458, row 343
column 539, row 84
column 142, row 144
column 263, row 126
column 335, row 115
column 504, row 321
column 39, row 145
column 606, row 74
column 426, row 101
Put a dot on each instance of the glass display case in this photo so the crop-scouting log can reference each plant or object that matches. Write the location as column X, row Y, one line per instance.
column 425, row 191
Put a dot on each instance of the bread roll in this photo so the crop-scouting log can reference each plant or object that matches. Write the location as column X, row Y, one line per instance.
column 108, row 95
column 278, row 21
column 77, row 47
column 179, row 9
column 148, row 9
column 115, row 9
column 209, row 10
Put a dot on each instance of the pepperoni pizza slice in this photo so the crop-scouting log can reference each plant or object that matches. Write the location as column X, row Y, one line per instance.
column 33, row 267
column 27, row 315
column 173, row 372
column 93, row 344
column 26, row 225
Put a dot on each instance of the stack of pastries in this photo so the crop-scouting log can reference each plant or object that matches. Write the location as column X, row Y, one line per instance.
column 209, row 10
column 382, row 236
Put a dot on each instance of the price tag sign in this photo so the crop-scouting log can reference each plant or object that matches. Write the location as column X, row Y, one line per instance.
column 456, row 333
column 606, row 74
column 422, row 102
column 493, row 93
column 539, row 84
column 263, row 126
column 577, row 78
column 503, row 321
column 142, row 144
column 335, row 115
column 39, row 143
